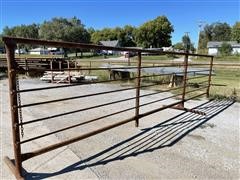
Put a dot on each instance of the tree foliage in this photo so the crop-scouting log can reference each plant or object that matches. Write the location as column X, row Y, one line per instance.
column 225, row 49
column 155, row 33
column 235, row 34
column 186, row 42
column 179, row 46
column 63, row 29
column 214, row 32
column 25, row 31
column 125, row 35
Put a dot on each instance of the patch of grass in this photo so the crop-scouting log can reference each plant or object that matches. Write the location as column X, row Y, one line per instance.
column 219, row 59
column 157, row 57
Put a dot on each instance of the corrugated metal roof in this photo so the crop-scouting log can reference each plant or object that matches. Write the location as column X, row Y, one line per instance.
column 217, row 44
column 113, row 43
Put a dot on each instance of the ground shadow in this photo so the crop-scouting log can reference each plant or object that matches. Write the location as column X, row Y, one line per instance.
column 164, row 134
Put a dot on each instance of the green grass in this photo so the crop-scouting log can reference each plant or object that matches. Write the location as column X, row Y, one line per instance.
column 157, row 57
column 226, row 82
column 219, row 59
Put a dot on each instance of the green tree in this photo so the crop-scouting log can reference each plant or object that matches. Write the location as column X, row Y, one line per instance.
column 235, row 34
column 179, row 46
column 104, row 35
column 214, row 32
column 63, row 29
column 186, row 42
column 155, row 33
column 25, row 31
column 124, row 35
column 225, row 49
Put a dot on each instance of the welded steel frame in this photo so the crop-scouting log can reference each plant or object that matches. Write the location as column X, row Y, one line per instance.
column 10, row 42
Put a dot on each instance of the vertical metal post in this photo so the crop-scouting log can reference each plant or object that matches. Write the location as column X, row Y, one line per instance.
column 184, row 78
column 138, row 85
column 90, row 66
column 10, row 46
column 51, row 67
column 60, row 65
column 209, row 77
column 128, row 59
column 69, row 75
column 26, row 67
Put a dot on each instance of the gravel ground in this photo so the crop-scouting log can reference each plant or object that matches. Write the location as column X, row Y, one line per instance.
column 170, row 144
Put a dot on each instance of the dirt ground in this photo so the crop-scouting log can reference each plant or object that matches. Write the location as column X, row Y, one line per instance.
column 170, row 144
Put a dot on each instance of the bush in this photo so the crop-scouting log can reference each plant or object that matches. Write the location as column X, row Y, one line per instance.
column 225, row 49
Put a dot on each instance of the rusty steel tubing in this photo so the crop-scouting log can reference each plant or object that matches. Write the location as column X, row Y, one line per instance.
column 167, row 106
column 79, row 110
column 26, row 156
column 184, row 78
column 209, row 77
column 14, row 111
column 138, row 85
column 158, row 100
column 96, row 68
column 96, row 119
column 88, row 95
column 154, row 93
column 16, row 40
column 197, row 77
column 98, row 82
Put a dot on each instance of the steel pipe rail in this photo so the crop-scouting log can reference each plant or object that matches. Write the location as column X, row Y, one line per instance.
column 15, row 40
column 15, row 91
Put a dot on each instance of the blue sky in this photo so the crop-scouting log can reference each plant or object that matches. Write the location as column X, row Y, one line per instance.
column 183, row 14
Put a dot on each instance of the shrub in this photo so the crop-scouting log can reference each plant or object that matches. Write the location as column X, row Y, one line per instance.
column 225, row 49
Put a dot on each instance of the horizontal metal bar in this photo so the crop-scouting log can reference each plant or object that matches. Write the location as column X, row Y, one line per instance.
column 154, row 93
column 158, row 100
column 167, row 106
column 98, row 82
column 15, row 40
column 88, row 95
column 26, row 156
column 197, row 77
column 90, row 121
column 84, row 136
column 93, row 120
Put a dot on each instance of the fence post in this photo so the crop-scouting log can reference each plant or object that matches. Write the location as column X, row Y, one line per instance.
column 90, row 66
column 26, row 67
column 185, row 63
column 69, row 75
column 60, row 65
column 51, row 67
column 138, row 85
column 10, row 46
column 209, row 77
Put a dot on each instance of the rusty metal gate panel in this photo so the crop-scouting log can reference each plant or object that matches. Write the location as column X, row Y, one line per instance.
column 16, row 106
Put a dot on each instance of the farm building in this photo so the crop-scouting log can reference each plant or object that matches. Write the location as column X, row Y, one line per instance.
column 114, row 43
column 39, row 51
column 213, row 47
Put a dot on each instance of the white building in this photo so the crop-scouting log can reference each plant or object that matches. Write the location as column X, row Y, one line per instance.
column 114, row 43
column 39, row 51
column 213, row 47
